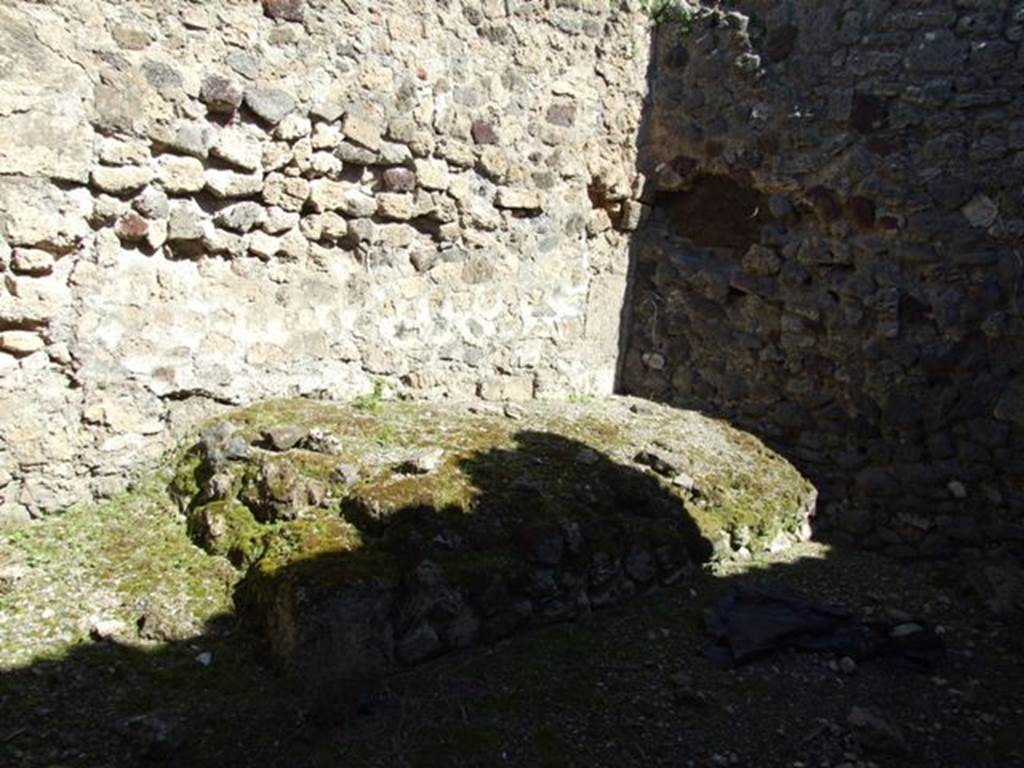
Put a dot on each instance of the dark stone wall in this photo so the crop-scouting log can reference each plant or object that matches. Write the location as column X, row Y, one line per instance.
column 833, row 253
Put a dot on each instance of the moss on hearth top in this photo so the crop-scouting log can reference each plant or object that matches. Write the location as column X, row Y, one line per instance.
column 372, row 490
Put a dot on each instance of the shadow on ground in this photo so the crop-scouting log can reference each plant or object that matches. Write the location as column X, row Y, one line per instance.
column 626, row 685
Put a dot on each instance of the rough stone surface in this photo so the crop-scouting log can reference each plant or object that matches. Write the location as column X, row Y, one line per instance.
column 241, row 217
column 518, row 199
column 221, row 94
column 186, row 221
column 269, row 104
column 321, row 517
column 399, row 180
column 119, row 181
column 835, row 264
column 20, row 342
column 45, row 101
column 361, row 131
column 239, row 149
column 286, row 10
column 31, row 261
column 229, row 184
column 432, row 174
column 180, row 175
column 874, row 733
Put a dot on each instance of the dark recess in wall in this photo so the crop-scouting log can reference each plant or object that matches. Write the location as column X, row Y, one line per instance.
column 716, row 211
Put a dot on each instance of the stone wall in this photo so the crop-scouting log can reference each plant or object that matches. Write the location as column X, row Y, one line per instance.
column 833, row 258
column 209, row 203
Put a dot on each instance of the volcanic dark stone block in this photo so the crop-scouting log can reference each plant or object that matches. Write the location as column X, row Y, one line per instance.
column 221, row 94
column 483, row 132
column 269, row 104
column 285, row 10
column 284, row 437
column 563, row 115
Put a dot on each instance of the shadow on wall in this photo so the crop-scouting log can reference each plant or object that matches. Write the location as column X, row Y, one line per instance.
column 828, row 265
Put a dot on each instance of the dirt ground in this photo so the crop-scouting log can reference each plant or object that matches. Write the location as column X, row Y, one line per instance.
column 120, row 646
column 628, row 686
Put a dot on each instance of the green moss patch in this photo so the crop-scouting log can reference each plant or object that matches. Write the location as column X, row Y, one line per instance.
column 227, row 528
column 368, row 506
